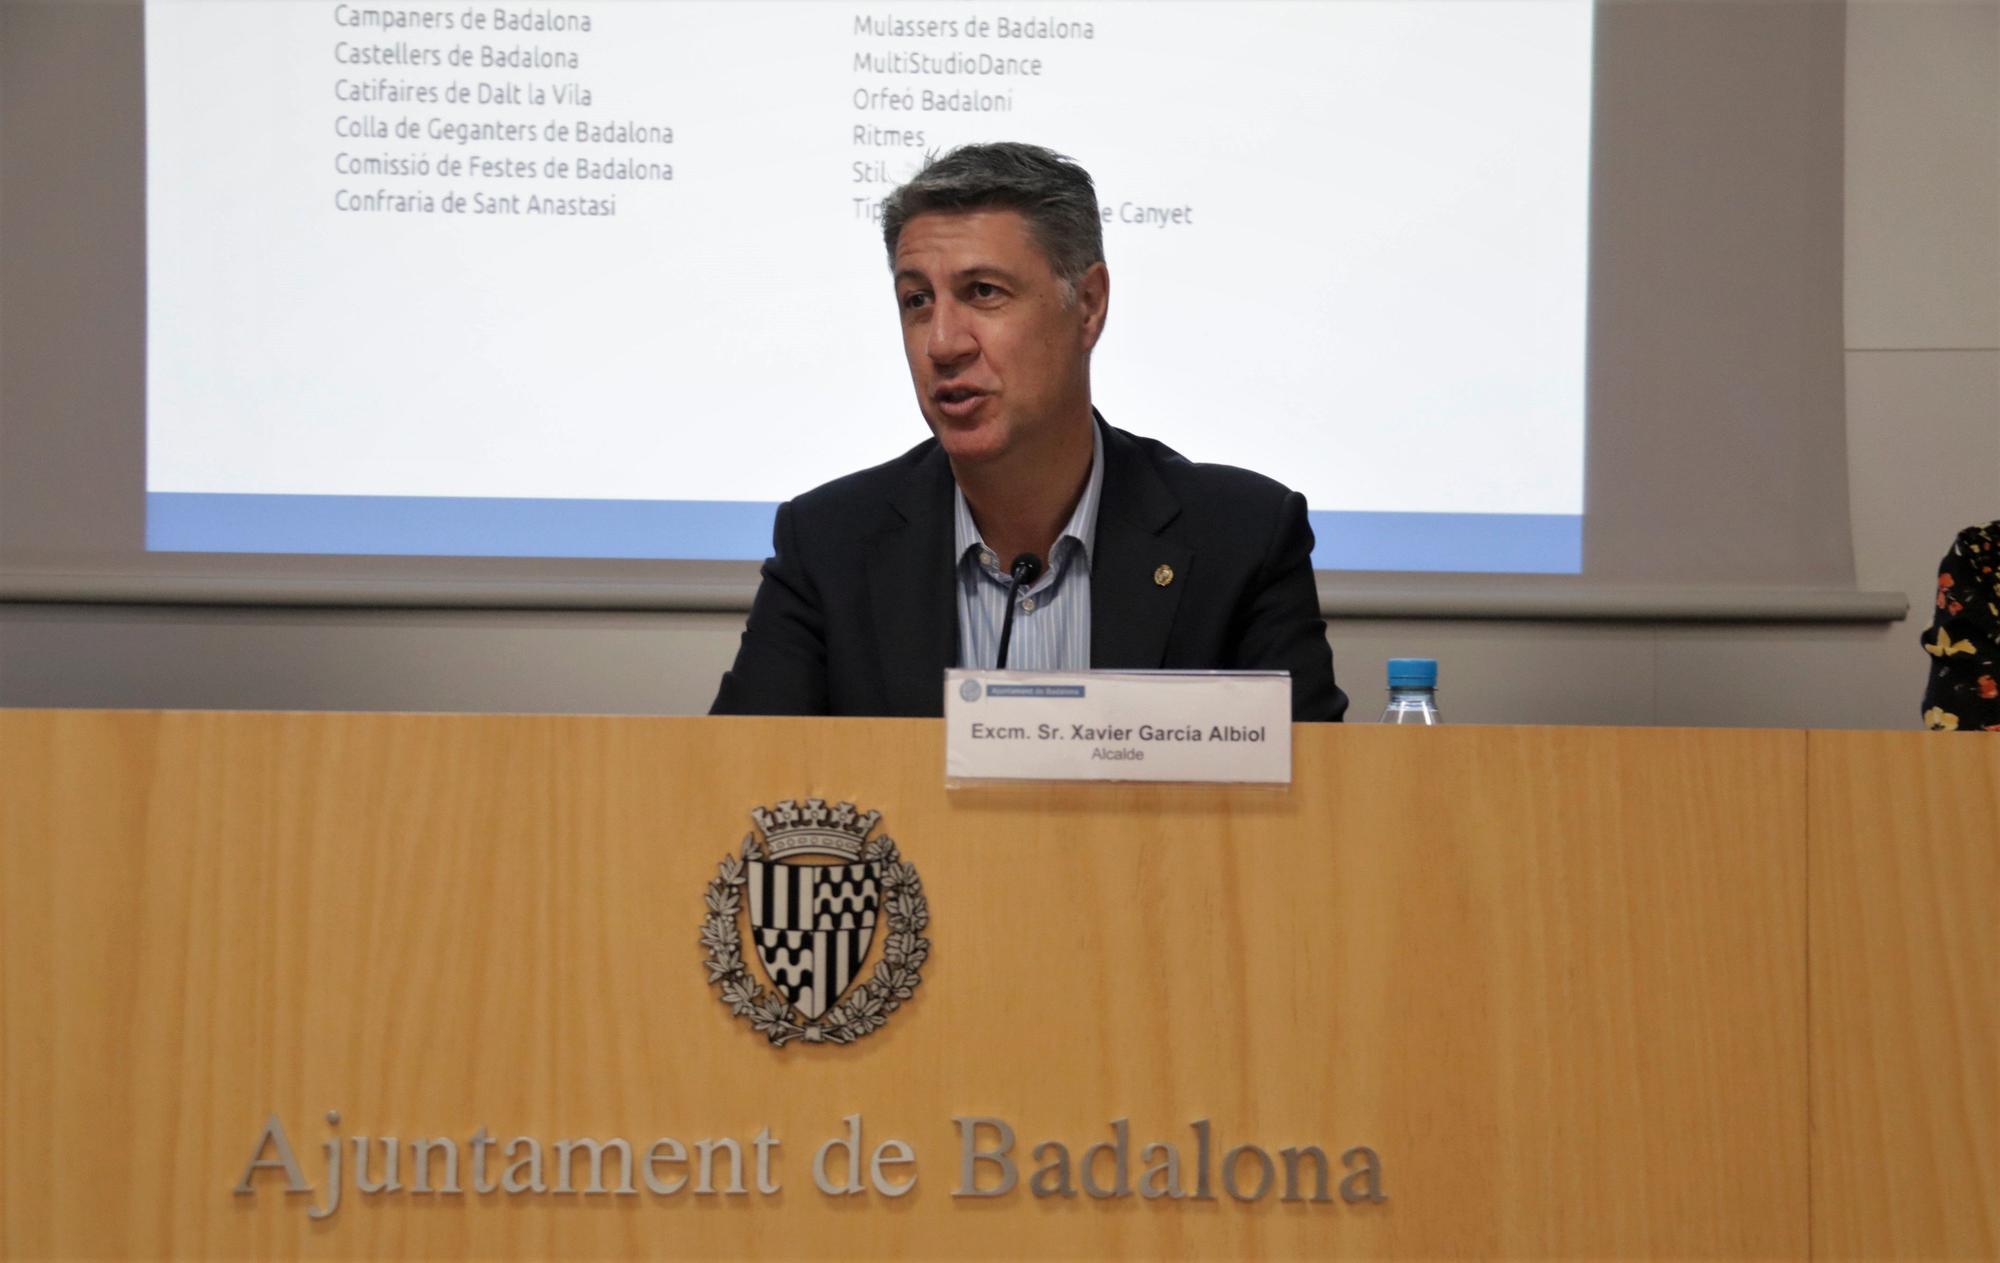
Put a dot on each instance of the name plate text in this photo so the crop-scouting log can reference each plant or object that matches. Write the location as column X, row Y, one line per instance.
column 1214, row 726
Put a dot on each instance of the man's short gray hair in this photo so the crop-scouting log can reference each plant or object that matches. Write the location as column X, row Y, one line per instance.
column 1051, row 192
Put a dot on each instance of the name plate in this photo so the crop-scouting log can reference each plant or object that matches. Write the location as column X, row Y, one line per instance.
column 1216, row 726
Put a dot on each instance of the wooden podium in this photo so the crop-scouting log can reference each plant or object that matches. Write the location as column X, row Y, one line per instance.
column 1582, row 993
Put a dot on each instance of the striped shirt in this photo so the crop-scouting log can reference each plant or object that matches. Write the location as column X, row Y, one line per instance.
column 1052, row 621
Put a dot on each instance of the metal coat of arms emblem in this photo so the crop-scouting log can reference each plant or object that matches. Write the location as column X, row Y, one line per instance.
column 815, row 890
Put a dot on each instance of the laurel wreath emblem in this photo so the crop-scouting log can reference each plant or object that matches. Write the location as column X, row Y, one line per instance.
column 866, row 1007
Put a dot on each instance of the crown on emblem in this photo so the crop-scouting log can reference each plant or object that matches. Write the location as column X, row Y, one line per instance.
column 813, row 827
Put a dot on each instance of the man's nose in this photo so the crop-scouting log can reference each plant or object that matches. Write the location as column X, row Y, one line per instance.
column 950, row 339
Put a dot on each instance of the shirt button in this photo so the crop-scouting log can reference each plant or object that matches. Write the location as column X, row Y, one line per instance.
column 987, row 559
column 1027, row 605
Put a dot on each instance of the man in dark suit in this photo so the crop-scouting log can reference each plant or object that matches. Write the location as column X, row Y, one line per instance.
column 882, row 579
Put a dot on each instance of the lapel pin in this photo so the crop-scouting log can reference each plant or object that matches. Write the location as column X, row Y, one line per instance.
column 1163, row 576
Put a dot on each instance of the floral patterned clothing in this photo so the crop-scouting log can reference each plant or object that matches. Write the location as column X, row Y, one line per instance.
column 1964, row 637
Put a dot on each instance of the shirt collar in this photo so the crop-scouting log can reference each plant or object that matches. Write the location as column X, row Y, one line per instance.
column 1082, row 524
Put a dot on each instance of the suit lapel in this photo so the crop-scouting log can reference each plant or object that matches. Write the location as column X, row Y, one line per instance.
column 910, row 592
column 1131, row 613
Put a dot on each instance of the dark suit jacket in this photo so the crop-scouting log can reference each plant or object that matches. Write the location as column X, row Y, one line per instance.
column 857, row 614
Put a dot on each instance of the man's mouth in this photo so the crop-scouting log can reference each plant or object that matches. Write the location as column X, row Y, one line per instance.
column 958, row 402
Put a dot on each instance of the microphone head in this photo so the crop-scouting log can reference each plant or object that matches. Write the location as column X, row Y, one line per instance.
column 1026, row 568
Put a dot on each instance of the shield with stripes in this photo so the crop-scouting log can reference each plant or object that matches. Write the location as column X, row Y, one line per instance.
column 813, row 924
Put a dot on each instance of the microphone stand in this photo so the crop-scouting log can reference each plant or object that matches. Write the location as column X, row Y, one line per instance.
column 1026, row 568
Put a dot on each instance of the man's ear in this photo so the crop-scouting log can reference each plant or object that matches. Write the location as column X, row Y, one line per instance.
column 1093, row 299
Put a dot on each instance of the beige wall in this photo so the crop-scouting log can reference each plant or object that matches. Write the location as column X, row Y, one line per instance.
column 1923, row 304
column 1923, row 381
column 1923, row 431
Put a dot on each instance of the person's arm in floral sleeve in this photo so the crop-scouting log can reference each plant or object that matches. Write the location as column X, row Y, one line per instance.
column 1964, row 638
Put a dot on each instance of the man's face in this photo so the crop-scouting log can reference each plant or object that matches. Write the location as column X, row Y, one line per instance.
column 1000, row 361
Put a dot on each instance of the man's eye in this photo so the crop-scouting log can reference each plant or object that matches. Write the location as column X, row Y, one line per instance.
column 915, row 299
column 985, row 289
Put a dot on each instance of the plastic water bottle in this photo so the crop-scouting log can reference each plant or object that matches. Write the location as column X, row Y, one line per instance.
column 1413, row 685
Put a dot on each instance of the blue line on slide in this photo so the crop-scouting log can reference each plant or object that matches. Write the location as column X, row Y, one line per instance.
column 457, row 526
column 1485, row 543
column 726, row 530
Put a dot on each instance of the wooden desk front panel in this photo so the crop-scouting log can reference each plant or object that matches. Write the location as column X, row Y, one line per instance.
column 1905, row 880
column 1552, row 976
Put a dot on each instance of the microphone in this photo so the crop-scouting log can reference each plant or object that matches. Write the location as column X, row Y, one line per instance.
column 1026, row 568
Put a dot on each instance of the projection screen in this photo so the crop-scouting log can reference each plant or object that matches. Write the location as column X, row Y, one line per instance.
column 595, row 279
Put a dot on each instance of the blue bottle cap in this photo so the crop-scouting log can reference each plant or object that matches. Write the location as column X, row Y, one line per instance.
column 1413, row 673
